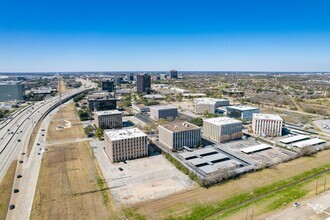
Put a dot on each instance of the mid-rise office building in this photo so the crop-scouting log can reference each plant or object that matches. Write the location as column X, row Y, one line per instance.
column 143, row 83
column 130, row 77
column 242, row 112
column 11, row 90
column 140, row 108
column 173, row 74
column 100, row 95
column 125, row 144
column 177, row 135
column 163, row 111
column 108, row 119
column 222, row 129
column 102, row 104
column 108, row 86
column 209, row 105
column 267, row 124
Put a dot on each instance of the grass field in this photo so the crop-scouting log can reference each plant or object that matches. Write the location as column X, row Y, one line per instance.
column 5, row 189
column 70, row 184
column 67, row 113
column 182, row 205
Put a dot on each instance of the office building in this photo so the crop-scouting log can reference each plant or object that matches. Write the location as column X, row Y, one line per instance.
column 233, row 93
column 242, row 112
column 177, row 135
column 102, row 104
column 100, row 95
column 11, row 90
column 267, row 124
column 140, row 108
column 143, row 83
column 173, row 74
column 163, row 111
column 163, row 76
column 108, row 119
column 125, row 144
column 108, row 86
column 222, row 129
column 209, row 105
column 130, row 77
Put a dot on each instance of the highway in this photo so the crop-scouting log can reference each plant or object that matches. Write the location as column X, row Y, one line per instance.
column 15, row 135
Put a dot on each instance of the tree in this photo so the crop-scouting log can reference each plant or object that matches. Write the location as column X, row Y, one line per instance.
column 88, row 130
column 99, row 133
column 179, row 97
column 197, row 121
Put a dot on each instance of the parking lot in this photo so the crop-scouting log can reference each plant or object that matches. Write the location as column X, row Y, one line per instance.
column 261, row 158
column 141, row 179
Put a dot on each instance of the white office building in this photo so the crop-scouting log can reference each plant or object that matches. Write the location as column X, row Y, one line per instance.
column 222, row 129
column 267, row 124
column 209, row 105
column 241, row 111
column 108, row 119
column 125, row 144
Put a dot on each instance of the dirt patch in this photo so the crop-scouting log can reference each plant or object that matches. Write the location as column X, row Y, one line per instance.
column 181, row 204
column 5, row 189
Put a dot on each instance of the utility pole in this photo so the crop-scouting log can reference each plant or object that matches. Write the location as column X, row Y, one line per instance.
column 317, row 182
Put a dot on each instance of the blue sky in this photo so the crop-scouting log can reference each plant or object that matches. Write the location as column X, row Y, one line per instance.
column 238, row 35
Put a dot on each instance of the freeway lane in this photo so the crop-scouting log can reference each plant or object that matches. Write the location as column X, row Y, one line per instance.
column 9, row 142
column 29, row 169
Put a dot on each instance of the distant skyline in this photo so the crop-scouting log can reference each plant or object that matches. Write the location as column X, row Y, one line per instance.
column 209, row 35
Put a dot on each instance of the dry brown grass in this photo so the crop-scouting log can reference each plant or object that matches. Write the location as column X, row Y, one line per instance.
column 181, row 204
column 68, row 113
column 70, row 184
column 63, row 86
column 5, row 189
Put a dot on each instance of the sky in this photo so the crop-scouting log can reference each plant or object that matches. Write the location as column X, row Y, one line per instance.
column 145, row 35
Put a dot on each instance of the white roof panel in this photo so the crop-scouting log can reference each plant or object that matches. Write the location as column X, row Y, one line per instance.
column 309, row 142
column 255, row 148
column 294, row 139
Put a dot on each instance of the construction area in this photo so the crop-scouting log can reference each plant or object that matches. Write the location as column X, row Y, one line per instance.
column 141, row 179
column 70, row 183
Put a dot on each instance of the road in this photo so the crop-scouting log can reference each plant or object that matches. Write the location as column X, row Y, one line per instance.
column 315, row 208
column 14, row 143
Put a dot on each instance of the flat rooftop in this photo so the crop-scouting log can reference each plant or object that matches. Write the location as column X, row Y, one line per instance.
column 5, row 83
column 256, row 148
column 209, row 100
column 163, row 107
column 294, row 139
column 262, row 116
column 180, row 126
column 108, row 112
column 243, row 108
column 309, row 142
column 124, row 134
column 222, row 120
column 156, row 96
